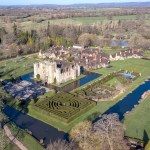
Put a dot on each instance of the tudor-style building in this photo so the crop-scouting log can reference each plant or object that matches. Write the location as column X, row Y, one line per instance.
column 125, row 55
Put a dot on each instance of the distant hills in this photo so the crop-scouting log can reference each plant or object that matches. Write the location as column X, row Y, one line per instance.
column 88, row 5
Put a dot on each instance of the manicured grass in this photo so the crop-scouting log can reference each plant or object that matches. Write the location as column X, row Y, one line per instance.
column 114, row 82
column 27, row 140
column 147, row 53
column 138, row 120
column 31, row 143
column 17, row 66
column 133, row 65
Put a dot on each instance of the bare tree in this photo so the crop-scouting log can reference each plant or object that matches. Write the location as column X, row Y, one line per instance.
column 61, row 145
column 111, row 132
column 86, row 138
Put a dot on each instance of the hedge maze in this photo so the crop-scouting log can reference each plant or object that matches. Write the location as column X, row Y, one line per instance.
column 65, row 106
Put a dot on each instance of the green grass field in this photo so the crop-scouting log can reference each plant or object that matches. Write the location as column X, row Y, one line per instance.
column 17, row 66
column 31, row 143
column 28, row 141
column 27, row 24
column 114, row 82
column 138, row 120
column 147, row 53
column 133, row 65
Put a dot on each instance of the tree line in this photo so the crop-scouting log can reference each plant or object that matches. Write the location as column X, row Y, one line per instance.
column 19, row 41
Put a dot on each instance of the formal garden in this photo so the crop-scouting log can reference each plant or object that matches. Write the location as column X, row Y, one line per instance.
column 107, row 87
column 64, row 106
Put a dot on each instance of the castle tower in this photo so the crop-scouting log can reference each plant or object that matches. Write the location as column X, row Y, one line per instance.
column 36, row 67
column 58, row 76
column 51, row 72
column 78, row 70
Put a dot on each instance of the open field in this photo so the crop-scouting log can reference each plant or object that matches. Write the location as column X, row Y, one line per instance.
column 27, row 23
column 138, row 120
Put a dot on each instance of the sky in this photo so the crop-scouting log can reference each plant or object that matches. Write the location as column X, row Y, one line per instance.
column 64, row 2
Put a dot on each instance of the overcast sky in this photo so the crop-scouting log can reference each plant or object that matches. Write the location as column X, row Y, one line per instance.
column 28, row 2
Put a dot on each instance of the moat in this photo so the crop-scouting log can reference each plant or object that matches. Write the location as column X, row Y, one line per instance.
column 89, row 76
column 40, row 130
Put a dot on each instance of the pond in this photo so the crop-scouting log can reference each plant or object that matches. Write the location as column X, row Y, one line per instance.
column 90, row 76
column 115, row 43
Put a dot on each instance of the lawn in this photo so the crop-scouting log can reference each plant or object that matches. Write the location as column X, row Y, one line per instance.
column 31, row 143
column 114, row 82
column 138, row 120
column 74, row 20
column 17, row 66
column 27, row 140
column 133, row 65
column 147, row 53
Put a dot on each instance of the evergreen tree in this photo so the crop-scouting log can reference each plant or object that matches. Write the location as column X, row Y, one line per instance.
column 15, row 31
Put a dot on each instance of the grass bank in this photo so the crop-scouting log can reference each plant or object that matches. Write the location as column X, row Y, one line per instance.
column 138, row 121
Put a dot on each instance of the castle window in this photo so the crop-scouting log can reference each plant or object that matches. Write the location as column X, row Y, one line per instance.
column 61, row 71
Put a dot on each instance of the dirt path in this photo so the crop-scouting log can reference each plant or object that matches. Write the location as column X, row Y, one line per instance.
column 13, row 139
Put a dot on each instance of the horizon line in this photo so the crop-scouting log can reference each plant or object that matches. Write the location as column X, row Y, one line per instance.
column 75, row 3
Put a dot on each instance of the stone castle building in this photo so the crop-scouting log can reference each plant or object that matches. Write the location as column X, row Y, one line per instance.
column 56, row 71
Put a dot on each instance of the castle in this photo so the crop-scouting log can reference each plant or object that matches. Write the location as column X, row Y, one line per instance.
column 59, row 70
column 56, row 71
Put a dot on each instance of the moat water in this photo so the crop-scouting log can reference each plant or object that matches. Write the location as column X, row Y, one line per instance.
column 40, row 130
column 89, row 76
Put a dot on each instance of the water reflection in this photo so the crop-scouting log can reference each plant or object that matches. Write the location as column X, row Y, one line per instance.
column 89, row 76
